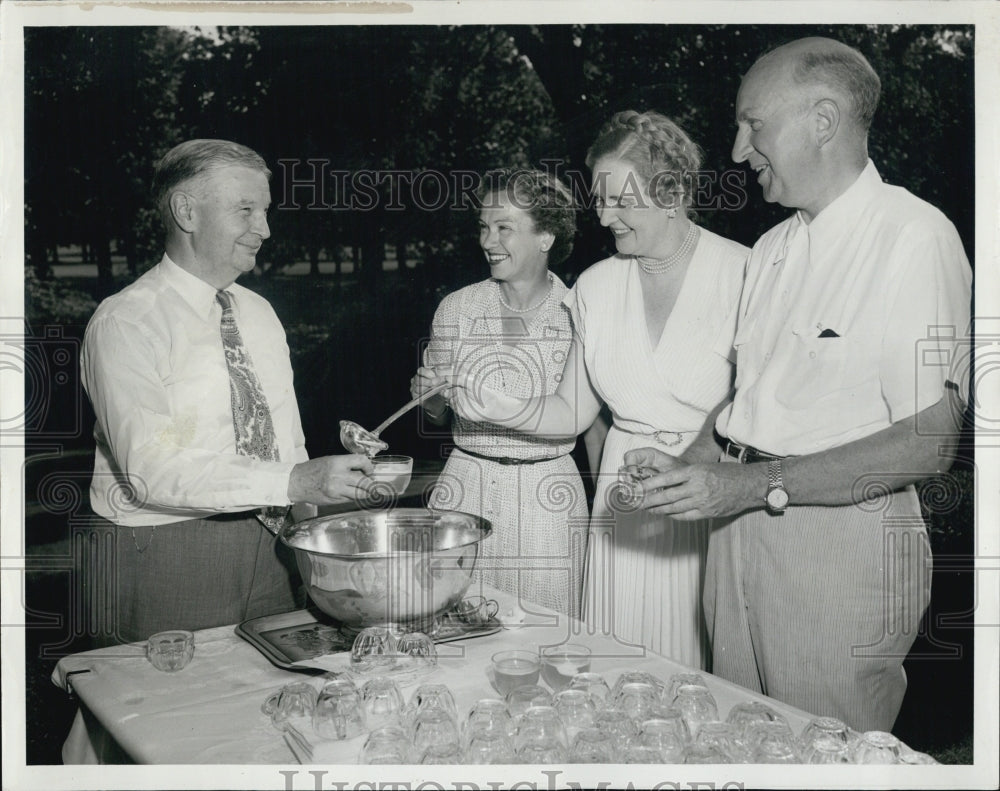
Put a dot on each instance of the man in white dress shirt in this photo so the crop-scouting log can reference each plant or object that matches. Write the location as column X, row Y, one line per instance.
column 851, row 311
column 198, row 429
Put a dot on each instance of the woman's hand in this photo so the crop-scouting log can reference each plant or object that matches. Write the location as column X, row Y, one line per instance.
column 470, row 399
column 423, row 380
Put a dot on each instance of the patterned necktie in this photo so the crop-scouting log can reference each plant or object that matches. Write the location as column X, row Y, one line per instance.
column 252, row 424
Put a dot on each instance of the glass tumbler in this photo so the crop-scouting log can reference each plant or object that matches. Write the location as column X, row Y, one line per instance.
column 434, row 696
column 170, row 651
column 742, row 715
column 382, row 702
column 667, row 736
column 678, row 680
column 373, row 650
column 433, row 727
column 727, row 737
column 491, row 714
column 591, row 746
column 638, row 699
column 876, row 747
column 772, row 742
column 292, row 700
column 594, row 685
column 824, row 731
column 540, row 723
column 636, row 677
column 488, row 743
column 387, row 745
column 520, row 698
column 416, row 651
column 339, row 713
column 616, row 726
column 575, row 709
column 392, row 472
column 697, row 706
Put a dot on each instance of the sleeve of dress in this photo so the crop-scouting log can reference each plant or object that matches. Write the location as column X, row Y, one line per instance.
column 445, row 333
column 926, row 332
column 575, row 301
column 152, row 446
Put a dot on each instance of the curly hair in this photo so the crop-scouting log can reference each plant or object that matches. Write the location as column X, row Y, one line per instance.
column 192, row 160
column 662, row 154
column 543, row 197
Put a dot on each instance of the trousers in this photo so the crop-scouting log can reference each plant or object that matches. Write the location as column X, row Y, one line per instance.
column 191, row 575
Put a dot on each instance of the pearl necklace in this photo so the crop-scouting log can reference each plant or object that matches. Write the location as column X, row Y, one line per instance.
column 528, row 309
column 662, row 265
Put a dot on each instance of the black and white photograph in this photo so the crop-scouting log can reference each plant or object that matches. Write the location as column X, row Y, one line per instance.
column 480, row 395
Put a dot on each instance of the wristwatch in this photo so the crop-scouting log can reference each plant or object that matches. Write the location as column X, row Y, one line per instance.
column 776, row 499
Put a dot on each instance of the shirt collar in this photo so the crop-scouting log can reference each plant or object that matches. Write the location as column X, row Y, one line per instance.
column 193, row 290
column 847, row 209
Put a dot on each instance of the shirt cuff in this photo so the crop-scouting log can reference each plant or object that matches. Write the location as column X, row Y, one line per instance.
column 269, row 484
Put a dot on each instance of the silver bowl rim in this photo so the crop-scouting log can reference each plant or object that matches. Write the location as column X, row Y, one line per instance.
column 484, row 524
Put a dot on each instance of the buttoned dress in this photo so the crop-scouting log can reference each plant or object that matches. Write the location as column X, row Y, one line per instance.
column 645, row 571
column 539, row 510
column 848, row 324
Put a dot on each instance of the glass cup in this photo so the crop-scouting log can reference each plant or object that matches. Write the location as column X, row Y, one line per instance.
column 393, row 472
column 742, row 715
column 292, row 700
column 679, row 680
column 594, row 685
column 638, row 753
column 433, row 727
column 538, row 747
column 876, row 747
column 697, row 706
column 636, row 677
column 387, row 745
column 540, row 721
column 825, row 752
column 727, row 737
column 427, row 697
column 561, row 662
column 667, row 736
column 339, row 713
column 488, row 743
column 575, row 709
column 170, row 651
column 591, row 746
column 772, row 742
column 775, row 752
column 489, row 714
column 415, row 651
column 671, row 718
column 616, row 726
column 382, row 702
column 476, row 611
column 520, row 699
column 512, row 669
column 824, row 731
column 373, row 650
column 638, row 699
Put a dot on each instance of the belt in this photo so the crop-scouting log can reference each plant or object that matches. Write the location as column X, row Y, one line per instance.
column 507, row 460
column 745, row 454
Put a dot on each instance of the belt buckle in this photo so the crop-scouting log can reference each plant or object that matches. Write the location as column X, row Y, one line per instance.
column 677, row 438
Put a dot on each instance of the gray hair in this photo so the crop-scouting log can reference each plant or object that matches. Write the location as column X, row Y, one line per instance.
column 193, row 159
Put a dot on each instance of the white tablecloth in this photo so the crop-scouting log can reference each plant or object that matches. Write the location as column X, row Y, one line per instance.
column 209, row 712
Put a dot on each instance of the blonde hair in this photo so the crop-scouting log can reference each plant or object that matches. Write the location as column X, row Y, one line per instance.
column 659, row 150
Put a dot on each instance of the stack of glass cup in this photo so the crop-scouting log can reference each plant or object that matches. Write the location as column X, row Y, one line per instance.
column 640, row 719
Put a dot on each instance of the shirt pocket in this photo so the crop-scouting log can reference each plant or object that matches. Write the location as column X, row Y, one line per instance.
column 832, row 370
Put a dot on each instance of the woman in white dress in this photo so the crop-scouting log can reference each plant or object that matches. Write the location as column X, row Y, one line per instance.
column 653, row 329
column 513, row 332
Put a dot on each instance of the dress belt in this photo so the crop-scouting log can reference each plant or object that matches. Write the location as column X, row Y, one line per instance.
column 507, row 460
column 745, row 454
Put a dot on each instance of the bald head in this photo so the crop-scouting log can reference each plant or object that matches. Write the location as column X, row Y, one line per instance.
column 826, row 68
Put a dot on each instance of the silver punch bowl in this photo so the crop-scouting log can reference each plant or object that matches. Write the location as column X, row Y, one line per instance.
column 404, row 565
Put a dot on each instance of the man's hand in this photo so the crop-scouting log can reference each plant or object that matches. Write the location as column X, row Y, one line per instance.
column 698, row 491
column 329, row 480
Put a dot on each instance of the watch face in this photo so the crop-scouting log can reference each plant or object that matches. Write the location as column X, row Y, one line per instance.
column 777, row 499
